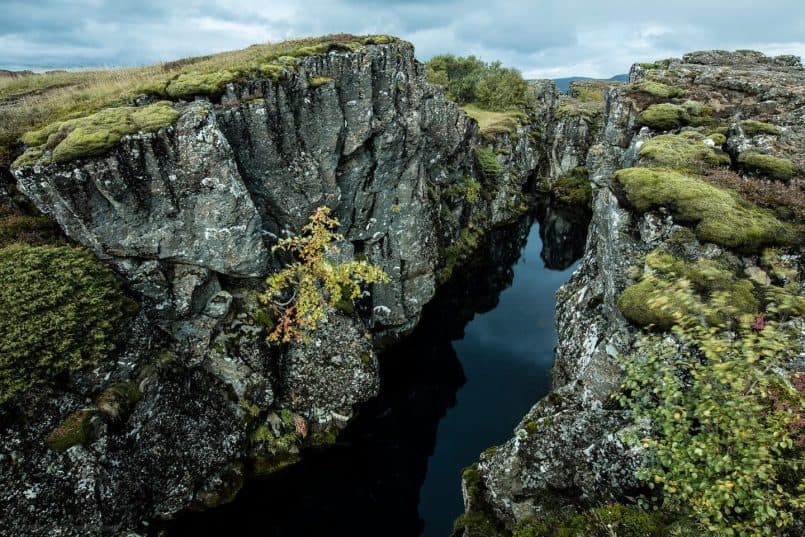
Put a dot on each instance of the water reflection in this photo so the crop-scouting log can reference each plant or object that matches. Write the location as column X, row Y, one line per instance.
column 479, row 359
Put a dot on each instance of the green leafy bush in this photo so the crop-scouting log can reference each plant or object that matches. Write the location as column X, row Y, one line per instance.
column 62, row 311
column 720, row 450
column 314, row 281
column 470, row 80
column 488, row 163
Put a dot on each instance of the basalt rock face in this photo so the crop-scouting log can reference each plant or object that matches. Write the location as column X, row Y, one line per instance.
column 187, row 215
column 567, row 451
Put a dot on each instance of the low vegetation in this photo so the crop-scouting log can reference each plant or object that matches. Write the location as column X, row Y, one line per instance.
column 719, row 216
column 685, row 151
column 658, row 90
column 31, row 102
column 664, row 117
column 573, row 189
column 94, row 134
column 487, row 162
column 752, row 127
column 722, row 447
column 489, row 86
column 491, row 124
column 299, row 295
column 772, row 167
column 62, row 311
column 786, row 200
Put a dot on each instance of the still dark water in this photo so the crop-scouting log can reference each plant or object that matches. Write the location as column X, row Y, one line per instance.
column 479, row 360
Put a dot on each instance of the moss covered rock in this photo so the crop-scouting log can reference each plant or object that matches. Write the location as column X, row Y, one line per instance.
column 659, row 90
column 74, row 430
column 664, row 117
column 777, row 168
column 95, row 134
column 752, row 127
column 62, row 311
column 686, row 151
column 719, row 216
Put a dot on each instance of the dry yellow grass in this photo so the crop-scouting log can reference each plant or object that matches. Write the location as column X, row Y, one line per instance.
column 31, row 102
column 493, row 123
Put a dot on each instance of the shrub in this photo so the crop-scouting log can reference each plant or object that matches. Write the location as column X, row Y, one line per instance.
column 62, row 311
column 685, row 151
column 490, row 124
column 719, row 216
column 786, row 200
column 314, row 281
column 720, row 451
column 470, row 80
column 574, row 188
column 773, row 167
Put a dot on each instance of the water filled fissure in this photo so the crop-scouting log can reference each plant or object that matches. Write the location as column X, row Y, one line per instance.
column 480, row 358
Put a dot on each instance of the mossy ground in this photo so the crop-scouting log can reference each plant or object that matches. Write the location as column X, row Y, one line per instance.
column 707, row 277
column 719, row 216
column 664, row 117
column 74, row 430
column 63, row 311
column 772, row 167
column 29, row 103
column 573, row 189
column 752, row 127
column 658, row 90
column 96, row 133
column 686, row 151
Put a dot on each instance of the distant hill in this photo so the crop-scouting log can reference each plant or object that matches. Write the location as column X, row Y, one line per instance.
column 564, row 83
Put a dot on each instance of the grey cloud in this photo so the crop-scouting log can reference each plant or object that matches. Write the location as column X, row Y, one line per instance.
column 556, row 38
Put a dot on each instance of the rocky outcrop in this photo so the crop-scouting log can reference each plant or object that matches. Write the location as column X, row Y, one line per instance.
column 567, row 451
column 187, row 215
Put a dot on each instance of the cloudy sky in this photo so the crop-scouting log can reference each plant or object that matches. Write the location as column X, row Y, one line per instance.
column 544, row 39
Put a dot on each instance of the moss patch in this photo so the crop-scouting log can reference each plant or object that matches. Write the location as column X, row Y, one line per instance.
column 74, row 430
column 752, row 127
column 707, row 277
column 664, row 117
column 96, row 133
column 318, row 81
column 658, row 90
column 686, row 151
column 487, row 162
column 777, row 168
column 62, row 311
column 719, row 216
column 460, row 251
column 187, row 85
column 573, row 189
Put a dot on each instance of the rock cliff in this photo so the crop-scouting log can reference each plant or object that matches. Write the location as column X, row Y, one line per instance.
column 187, row 215
column 568, row 450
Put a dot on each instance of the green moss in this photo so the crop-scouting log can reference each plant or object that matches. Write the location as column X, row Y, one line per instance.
column 366, row 358
column 717, row 138
column 783, row 270
column 487, row 163
column 685, row 151
column 659, row 90
column 97, row 133
column 719, row 216
column 460, row 251
column 531, row 426
column 664, row 117
column 707, row 276
column 118, row 400
column 569, row 108
column 777, row 168
column 628, row 521
column 566, row 522
column 633, row 303
column 573, row 189
column 752, row 127
column 378, row 40
column 318, row 81
column 74, row 430
column 62, row 311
